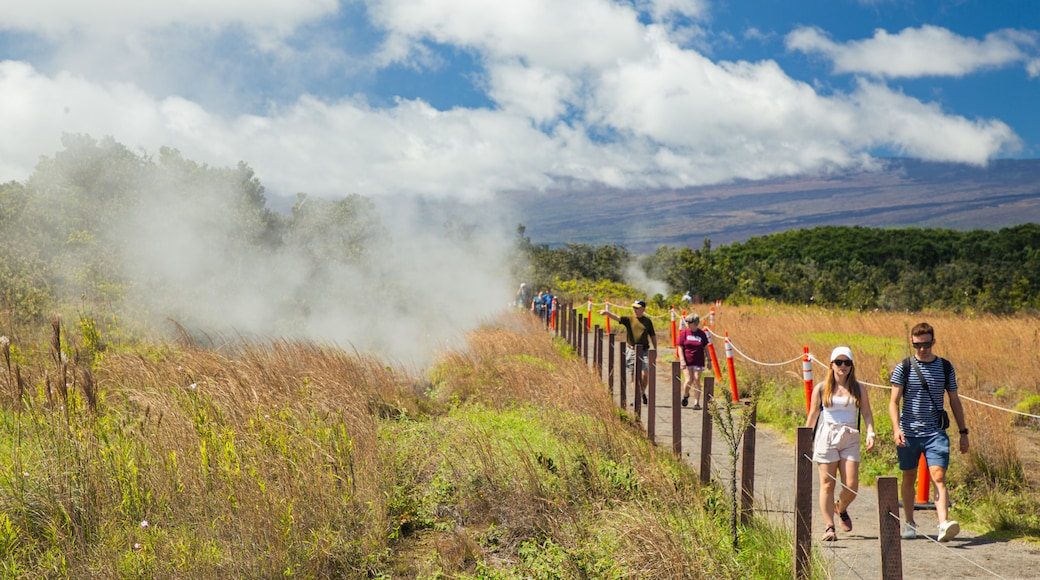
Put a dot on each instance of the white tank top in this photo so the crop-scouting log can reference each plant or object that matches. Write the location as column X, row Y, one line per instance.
column 842, row 410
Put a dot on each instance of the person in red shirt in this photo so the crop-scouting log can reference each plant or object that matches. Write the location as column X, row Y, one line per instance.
column 692, row 340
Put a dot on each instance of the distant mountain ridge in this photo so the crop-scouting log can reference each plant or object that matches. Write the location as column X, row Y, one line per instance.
column 907, row 192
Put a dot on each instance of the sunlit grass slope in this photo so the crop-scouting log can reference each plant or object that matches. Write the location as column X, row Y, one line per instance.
column 506, row 459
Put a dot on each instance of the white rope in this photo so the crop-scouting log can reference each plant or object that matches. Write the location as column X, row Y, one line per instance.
column 778, row 364
column 757, row 362
column 869, row 384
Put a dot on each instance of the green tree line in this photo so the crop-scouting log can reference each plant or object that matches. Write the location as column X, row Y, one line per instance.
column 840, row 266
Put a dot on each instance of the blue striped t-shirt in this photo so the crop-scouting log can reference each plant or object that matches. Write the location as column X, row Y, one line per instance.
column 920, row 413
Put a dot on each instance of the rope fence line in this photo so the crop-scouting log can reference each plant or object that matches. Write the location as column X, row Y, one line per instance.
column 869, row 384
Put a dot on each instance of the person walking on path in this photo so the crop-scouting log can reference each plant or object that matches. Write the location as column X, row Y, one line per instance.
column 692, row 340
column 639, row 331
column 523, row 296
column 834, row 409
column 922, row 381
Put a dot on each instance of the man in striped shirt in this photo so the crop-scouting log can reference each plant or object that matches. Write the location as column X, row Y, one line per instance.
column 922, row 382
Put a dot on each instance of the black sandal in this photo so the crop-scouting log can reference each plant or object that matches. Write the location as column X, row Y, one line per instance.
column 846, row 521
column 830, row 534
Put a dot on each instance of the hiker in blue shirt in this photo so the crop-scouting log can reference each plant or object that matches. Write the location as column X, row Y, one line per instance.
column 922, row 381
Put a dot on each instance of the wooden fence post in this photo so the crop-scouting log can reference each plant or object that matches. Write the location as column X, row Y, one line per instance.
column 597, row 351
column 637, row 389
column 651, row 394
column 623, row 353
column 747, row 469
column 888, row 528
column 610, row 363
column 706, row 425
column 803, row 503
column 676, row 408
column 585, row 340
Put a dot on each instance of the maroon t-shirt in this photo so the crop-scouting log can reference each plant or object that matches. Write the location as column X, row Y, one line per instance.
column 693, row 342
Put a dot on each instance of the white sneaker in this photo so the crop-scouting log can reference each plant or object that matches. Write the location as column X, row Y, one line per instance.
column 948, row 530
column 909, row 531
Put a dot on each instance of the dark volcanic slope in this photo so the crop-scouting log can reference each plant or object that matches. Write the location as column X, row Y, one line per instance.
column 908, row 192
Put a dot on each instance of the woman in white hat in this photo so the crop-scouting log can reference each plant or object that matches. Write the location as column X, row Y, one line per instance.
column 835, row 408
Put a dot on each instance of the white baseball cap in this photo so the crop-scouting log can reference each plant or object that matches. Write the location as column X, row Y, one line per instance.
column 839, row 351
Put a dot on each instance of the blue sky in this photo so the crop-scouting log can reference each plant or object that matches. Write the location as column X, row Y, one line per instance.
column 466, row 98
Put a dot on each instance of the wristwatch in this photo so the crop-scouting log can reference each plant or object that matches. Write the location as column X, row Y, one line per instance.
column 963, row 431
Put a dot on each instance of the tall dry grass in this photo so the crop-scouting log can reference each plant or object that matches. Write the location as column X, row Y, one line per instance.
column 194, row 459
column 507, row 459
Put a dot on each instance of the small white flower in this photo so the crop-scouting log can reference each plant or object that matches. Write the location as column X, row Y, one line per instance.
column 144, row 524
column 191, row 386
column 25, row 474
column 137, row 546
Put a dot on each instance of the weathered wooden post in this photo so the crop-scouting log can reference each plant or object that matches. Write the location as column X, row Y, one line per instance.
column 676, row 408
column 597, row 352
column 610, row 363
column 747, row 469
column 651, row 395
column 637, row 389
column 706, row 425
column 888, row 528
column 585, row 340
column 623, row 354
column 803, row 478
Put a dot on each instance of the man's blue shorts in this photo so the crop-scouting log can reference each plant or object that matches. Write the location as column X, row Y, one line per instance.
column 936, row 449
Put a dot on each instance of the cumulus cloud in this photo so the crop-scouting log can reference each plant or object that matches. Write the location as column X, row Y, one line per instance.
column 589, row 91
column 59, row 18
column 915, row 52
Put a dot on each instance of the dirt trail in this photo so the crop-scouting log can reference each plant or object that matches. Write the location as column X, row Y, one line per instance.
column 856, row 554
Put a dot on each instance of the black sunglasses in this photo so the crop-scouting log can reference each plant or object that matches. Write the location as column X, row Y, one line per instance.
column 926, row 344
column 842, row 362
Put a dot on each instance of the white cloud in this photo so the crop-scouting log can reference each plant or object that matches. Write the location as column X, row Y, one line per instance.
column 582, row 92
column 666, row 9
column 566, row 36
column 59, row 18
column 1033, row 68
column 531, row 91
column 923, row 130
column 915, row 52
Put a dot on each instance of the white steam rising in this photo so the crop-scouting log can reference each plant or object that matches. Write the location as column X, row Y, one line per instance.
column 424, row 280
